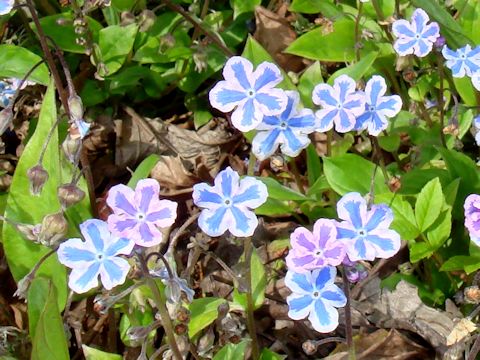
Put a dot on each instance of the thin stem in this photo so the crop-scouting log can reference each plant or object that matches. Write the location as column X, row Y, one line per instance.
column 440, row 99
column 251, row 164
column 20, row 85
column 381, row 19
column 357, row 32
column 160, row 302
column 296, row 175
column 475, row 349
column 348, row 318
column 329, row 142
column 48, row 55
column 250, row 306
column 199, row 26
column 179, row 233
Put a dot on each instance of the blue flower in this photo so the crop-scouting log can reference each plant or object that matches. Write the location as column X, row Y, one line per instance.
column 463, row 61
column 227, row 205
column 9, row 87
column 378, row 107
column 315, row 295
column 416, row 37
column 6, row 6
column 341, row 104
column 290, row 130
column 97, row 255
column 476, row 127
column 250, row 94
column 366, row 232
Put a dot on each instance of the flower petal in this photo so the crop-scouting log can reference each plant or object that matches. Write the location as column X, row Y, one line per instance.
column 404, row 47
column 294, row 142
column 303, row 121
column 120, row 225
column 146, row 191
column 325, row 96
column 271, row 102
column 251, row 193
column 343, row 86
column 224, row 96
column 206, row 196
column 246, row 116
column 303, row 240
column 402, row 28
column 75, row 252
column 121, row 200
column 324, row 231
column 326, row 118
column 323, row 277
column 238, row 70
column 214, row 222
column 113, row 272
column 96, row 231
column 6, row 6
column 345, row 121
column 266, row 75
column 162, row 213
column 147, row 235
column 227, row 181
column 299, row 306
column 419, row 20
column 299, row 283
column 353, row 208
column 377, row 124
column 385, row 242
column 120, row 246
column 379, row 216
column 376, row 87
column 265, row 143
column 334, row 296
column 324, row 318
column 244, row 222
column 82, row 279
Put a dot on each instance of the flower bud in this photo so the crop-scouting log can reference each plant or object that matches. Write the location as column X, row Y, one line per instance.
column 38, row 176
column 54, row 228
column 29, row 232
column 146, row 20
column 71, row 147
column 23, row 285
column 356, row 273
column 6, row 117
column 181, row 329
column 183, row 314
column 75, row 106
column 69, row 194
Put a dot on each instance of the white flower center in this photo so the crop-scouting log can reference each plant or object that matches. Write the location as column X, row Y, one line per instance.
column 417, row 36
column 227, row 202
column 100, row 257
column 251, row 93
column 141, row 217
column 316, row 294
column 339, row 106
column 371, row 108
column 283, row 124
column 362, row 232
column 318, row 252
column 463, row 56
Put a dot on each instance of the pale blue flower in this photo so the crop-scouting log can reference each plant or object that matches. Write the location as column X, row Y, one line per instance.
column 416, row 37
column 315, row 295
column 82, row 127
column 6, row 6
column 97, row 255
column 463, row 61
column 290, row 130
column 365, row 231
column 378, row 108
column 340, row 103
column 227, row 205
column 9, row 87
column 476, row 127
column 249, row 94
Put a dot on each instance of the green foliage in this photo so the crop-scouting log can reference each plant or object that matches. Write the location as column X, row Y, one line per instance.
column 309, row 79
column 203, row 312
column 232, row 351
column 16, row 61
column 95, row 354
column 143, row 169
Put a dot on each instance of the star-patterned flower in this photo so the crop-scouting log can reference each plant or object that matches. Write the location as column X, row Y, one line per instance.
column 417, row 36
column 463, row 61
column 249, row 94
column 97, row 255
column 472, row 217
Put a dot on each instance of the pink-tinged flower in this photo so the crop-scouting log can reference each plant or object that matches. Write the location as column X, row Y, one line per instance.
column 139, row 214
column 313, row 250
column 416, row 37
column 97, row 255
column 228, row 204
column 366, row 232
column 249, row 94
column 340, row 103
column 472, row 217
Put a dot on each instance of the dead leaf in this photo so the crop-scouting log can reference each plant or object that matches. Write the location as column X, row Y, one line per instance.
column 463, row 328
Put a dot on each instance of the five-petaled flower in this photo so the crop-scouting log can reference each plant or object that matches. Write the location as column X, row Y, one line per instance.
column 463, row 61
column 315, row 295
column 250, row 94
column 138, row 214
column 97, row 255
column 313, row 250
column 472, row 217
column 365, row 231
column 8, row 88
column 227, row 205
column 341, row 104
column 290, row 130
column 6, row 6
column 416, row 37
column 378, row 107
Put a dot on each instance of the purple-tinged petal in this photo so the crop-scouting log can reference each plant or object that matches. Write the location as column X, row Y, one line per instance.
column 303, row 238
column 83, row 279
column 422, row 48
column 146, row 191
column 405, row 47
column 121, row 225
column 251, row 193
column 121, row 200
column 148, row 235
column 419, row 20
column 266, row 75
column 162, row 213
column 324, row 231
column 113, row 272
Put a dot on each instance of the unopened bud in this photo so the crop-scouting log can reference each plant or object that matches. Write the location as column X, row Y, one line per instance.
column 147, row 19
column 75, row 106
column 183, row 314
column 38, row 176
column 138, row 333
column 126, row 18
column 54, row 228
column 71, row 147
column 181, row 329
column 6, row 117
column 356, row 273
column 23, row 286
column 69, row 194
column 29, row 232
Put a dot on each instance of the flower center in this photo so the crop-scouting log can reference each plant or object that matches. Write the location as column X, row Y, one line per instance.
column 283, row 124
column 251, row 93
column 417, row 36
column 140, row 217
column 316, row 294
column 339, row 106
column 99, row 256
column 318, row 252
column 362, row 232
column 463, row 56
column 371, row 108
column 227, row 202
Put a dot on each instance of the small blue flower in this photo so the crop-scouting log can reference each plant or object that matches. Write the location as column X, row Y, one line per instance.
column 463, row 61
column 227, row 205
column 476, row 129
column 6, row 6
column 82, row 127
column 290, row 130
column 9, row 87
column 97, row 255
column 378, row 107
column 341, row 104
column 315, row 295
column 366, row 232
column 249, row 94
column 416, row 37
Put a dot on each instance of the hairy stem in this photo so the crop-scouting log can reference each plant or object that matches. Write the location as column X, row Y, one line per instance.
column 250, row 305
column 348, row 318
column 357, row 32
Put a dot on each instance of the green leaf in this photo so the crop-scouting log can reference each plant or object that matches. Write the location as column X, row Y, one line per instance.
column 320, row 44
column 414, row 180
column 268, row 354
column 203, row 312
column 403, row 217
column 279, row 192
column 450, row 28
column 258, row 281
column 22, row 255
column 461, row 262
column 469, row 20
column 466, row 90
column 273, row 207
column 309, row 79
column 254, row 52
column 339, row 169
column 357, row 70
column 242, row 6
column 95, row 354
column 429, row 204
column 16, row 61
column 314, row 166
column 320, row 185
column 440, row 230
column 324, row 7
column 232, row 351
column 143, row 170
column 135, row 317
column 49, row 341
column 419, row 251
column 389, row 143
column 115, row 43
column 64, row 35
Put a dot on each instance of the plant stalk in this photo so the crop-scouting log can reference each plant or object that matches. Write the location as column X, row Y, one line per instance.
column 250, row 305
column 348, row 318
